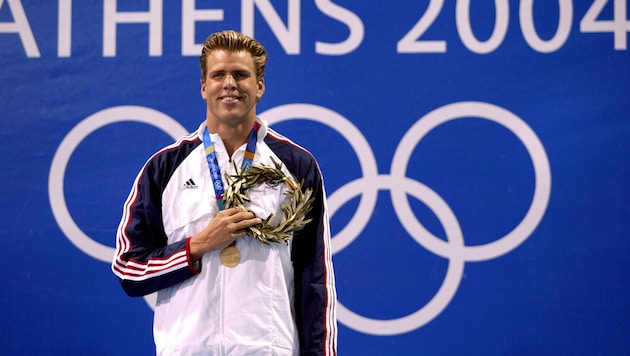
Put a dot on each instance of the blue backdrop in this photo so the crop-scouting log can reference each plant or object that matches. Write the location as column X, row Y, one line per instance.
column 475, row 155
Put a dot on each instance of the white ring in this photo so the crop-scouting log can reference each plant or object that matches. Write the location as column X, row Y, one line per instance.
column 453, row 274
column 65, row 151
column 364, row 153
column 521, row 130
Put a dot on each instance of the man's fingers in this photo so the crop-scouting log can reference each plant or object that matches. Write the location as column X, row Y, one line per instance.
column 236, row 220
column 246, row 222
column 231, row 211
column 240, row 227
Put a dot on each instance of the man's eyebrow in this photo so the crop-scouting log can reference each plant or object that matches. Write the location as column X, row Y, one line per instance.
column 245, row 70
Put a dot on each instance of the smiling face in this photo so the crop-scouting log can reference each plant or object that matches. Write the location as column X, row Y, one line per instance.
column 230, row 89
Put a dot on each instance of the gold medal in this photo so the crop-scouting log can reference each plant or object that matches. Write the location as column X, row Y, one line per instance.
column 230, row 256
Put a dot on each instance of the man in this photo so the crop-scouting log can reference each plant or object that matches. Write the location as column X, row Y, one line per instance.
column 221, row 292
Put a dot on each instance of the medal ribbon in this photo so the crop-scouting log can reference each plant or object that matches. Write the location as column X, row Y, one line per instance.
column 213, row 163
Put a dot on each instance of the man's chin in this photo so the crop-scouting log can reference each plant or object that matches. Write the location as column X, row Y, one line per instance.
column 233, row 119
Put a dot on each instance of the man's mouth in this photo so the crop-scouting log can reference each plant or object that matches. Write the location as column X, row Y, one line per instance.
column 229, row 98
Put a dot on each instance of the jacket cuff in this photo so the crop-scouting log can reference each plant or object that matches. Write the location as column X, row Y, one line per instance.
column 195, row 266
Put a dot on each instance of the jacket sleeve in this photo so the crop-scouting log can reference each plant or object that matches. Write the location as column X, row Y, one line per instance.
column 144, row 261
column 315, row 294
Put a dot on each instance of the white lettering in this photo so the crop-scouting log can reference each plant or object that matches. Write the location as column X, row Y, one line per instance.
column 464, row 28
column 21, row 27
column 64, row 35
column 565, row 18
column 619, row 26
column 411, row 42
column 350, row 19
column 288, row 36
column 287, row 27
column 190, row 16
column 111, row 17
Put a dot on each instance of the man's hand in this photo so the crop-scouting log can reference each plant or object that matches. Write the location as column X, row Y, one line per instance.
column 227, row 226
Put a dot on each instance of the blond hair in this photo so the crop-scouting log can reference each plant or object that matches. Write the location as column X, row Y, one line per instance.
column 235, row 42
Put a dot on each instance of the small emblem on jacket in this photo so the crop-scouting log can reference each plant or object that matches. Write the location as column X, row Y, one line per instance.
column 190, row 184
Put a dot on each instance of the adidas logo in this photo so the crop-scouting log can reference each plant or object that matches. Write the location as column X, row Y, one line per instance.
column 190, row 184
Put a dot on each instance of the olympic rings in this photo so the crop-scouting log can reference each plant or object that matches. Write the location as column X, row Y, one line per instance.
column 453, row 249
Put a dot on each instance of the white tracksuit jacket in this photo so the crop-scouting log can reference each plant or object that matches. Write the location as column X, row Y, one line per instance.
column 280, row 299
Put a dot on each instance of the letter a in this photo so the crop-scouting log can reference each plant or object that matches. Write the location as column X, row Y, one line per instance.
column 21, row 27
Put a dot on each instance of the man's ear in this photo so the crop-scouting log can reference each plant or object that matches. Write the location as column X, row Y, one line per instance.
column 203, row 89
column 261, row 89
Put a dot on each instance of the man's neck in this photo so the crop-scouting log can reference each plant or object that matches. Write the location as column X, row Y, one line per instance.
column 233, row 136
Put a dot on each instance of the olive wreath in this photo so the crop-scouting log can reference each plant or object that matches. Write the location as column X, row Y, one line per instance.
column 294, row 209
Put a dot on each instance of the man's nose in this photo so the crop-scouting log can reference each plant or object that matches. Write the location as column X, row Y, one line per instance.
column 229, row 82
